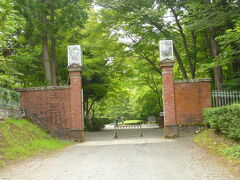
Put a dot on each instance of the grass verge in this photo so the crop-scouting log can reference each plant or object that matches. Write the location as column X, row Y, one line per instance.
column 20, row 139
column 131, row 122
column 222, row 146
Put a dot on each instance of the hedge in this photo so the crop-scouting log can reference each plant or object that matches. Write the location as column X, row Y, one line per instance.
column 225, row 119
column 96, row 124
column 131, row 122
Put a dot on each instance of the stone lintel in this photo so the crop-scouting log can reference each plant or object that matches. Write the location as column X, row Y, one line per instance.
column 42, row 88
column 193, row 80
column 74, row 68
column 167, row 63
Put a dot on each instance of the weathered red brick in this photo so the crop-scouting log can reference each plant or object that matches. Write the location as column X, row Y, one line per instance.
column 190, row 99
column 52, row 107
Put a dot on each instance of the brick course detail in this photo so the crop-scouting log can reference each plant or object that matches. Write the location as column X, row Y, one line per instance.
column 52, row 107
column 190, row 100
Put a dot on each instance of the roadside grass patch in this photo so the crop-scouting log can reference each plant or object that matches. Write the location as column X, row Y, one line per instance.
column 20, row 139
column 220, row 145
column 131, row 122
column 2, row 163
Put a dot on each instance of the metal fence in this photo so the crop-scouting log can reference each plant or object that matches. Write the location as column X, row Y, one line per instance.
column 225, row 97
column 128, row 130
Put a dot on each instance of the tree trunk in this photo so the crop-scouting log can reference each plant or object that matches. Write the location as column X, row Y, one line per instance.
column 194, row 41
column 47, row 67
column 236, row 65
column 218, row 79
column 185, row 45
column 179, row 60
column 53, row 62
column 207, row 44
column 53, row 51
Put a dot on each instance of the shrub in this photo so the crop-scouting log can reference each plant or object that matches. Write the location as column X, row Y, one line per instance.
column 106, row 120
column 225, row 119
column 94, row 124
column 9, row 98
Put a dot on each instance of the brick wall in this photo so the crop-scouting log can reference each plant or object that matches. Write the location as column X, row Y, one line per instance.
column 50, row 104
column 191, row 97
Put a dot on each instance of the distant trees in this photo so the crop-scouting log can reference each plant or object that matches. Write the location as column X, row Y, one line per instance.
column 10, row 23
column 213, row 18
column 193, row 25
column 46, row 22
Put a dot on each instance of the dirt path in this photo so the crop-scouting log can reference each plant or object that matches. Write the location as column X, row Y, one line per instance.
column 104, row 158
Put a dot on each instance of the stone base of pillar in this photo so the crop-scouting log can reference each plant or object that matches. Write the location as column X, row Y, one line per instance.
column 171, row 131
column 77, row 135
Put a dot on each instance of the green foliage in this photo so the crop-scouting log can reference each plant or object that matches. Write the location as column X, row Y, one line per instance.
column 106, row 120
column 229, row 56
column 9, row 98
column 20, row 139
column 148, row 104
column 230, row 42
column 210, row 14
column 10, row 23
column 97, row 124
column 96, row 79
column 93, row 124
column 233, row 152
column 225, row 119
column 21, row 35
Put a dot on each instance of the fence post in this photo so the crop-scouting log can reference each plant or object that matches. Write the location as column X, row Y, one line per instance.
column 115, row 131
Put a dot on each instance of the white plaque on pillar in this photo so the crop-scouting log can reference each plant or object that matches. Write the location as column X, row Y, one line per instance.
column 74, row 55
column 166, row 50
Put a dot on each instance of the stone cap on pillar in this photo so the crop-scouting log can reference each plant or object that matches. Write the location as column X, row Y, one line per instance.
column 167, row 63
column 74, row 68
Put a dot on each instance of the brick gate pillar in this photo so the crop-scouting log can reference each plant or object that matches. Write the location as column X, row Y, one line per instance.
column 77, row 122
column 170, row 125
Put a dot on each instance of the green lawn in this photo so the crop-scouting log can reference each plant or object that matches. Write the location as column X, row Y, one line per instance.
column 20, row 139
column 130, row 122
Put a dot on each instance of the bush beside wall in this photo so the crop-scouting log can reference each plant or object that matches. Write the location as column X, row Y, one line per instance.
column 96, row 124
column 225, row 119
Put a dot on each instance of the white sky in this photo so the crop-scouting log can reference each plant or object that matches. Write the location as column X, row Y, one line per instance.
column 96, row 7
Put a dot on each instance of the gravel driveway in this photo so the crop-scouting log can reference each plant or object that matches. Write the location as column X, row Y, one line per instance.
column 126, row 158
